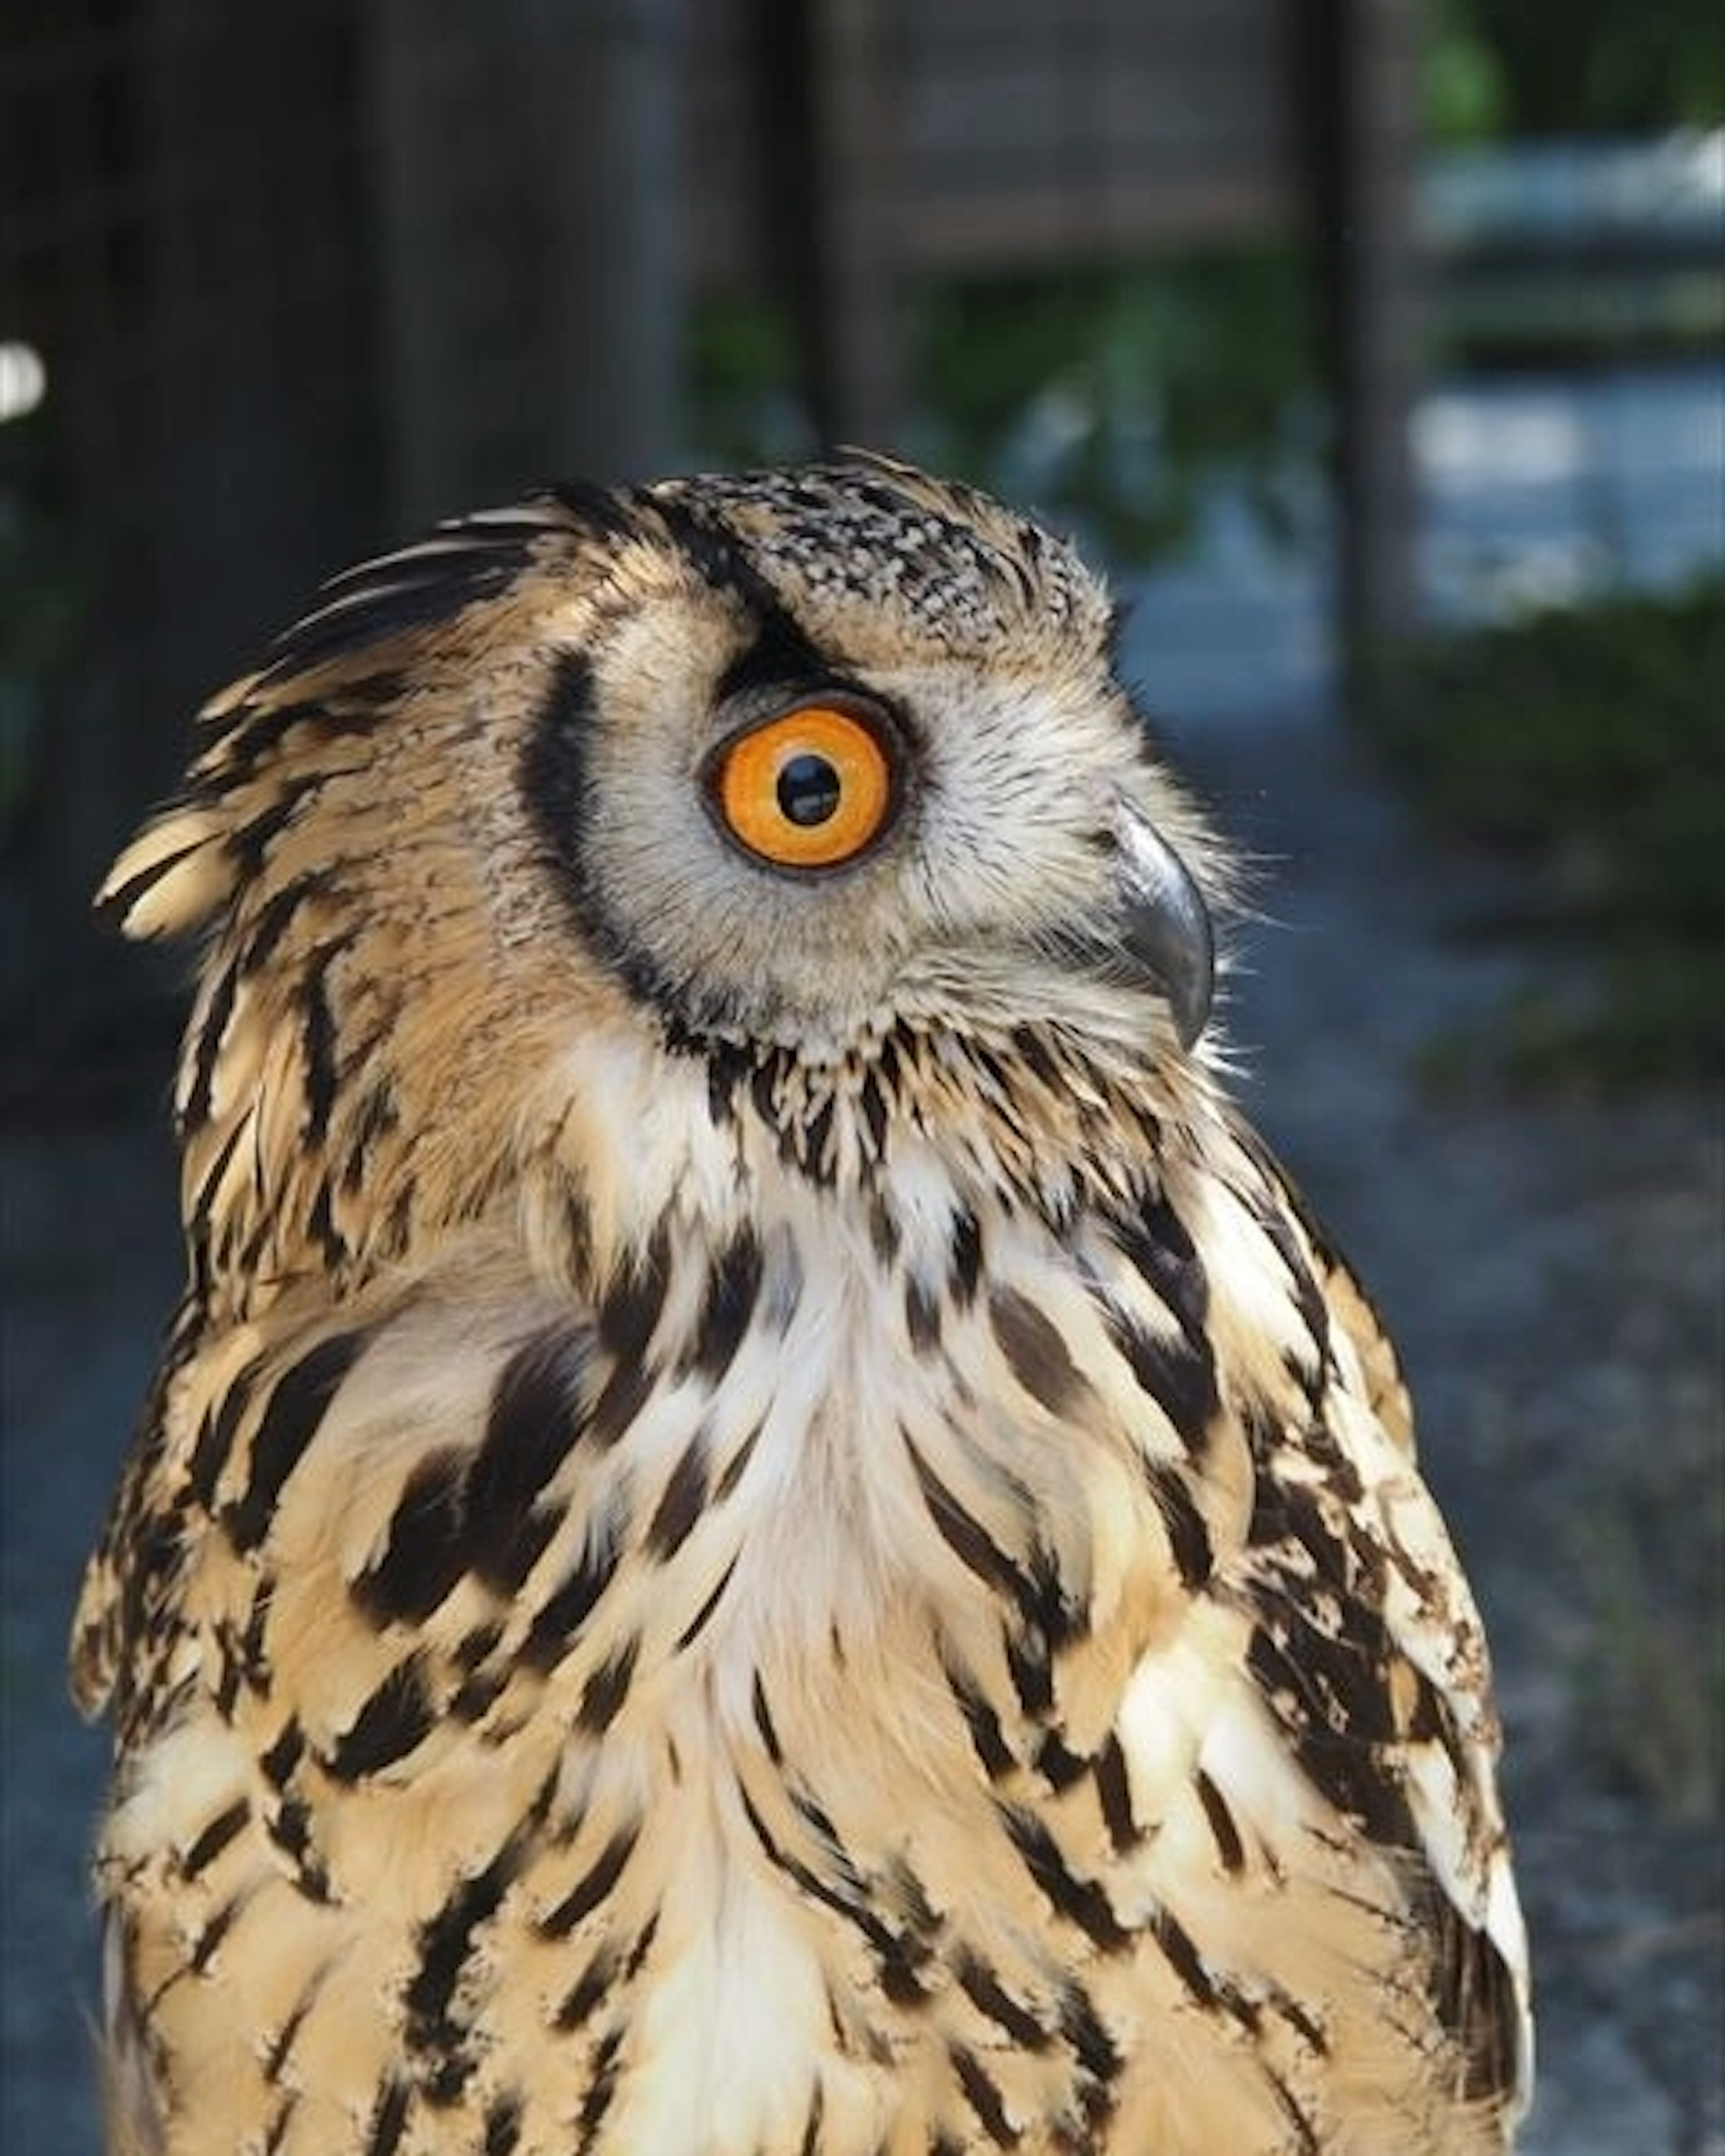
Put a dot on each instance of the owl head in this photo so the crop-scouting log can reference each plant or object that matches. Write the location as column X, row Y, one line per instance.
column 801, row 813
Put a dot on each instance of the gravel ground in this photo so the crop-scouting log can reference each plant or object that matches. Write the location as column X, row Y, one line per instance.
column 1554, row 1273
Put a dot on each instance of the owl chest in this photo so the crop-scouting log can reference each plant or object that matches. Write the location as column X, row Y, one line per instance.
column 802, row 1690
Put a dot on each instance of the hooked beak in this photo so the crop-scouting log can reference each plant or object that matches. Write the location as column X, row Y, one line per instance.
column 1164, row 925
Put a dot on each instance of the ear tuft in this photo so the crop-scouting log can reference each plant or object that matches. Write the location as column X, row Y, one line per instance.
column 172, row 877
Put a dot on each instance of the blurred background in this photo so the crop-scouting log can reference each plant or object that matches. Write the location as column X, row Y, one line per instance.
column 1374, row 347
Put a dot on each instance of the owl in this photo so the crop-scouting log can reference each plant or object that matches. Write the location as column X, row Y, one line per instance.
column 766, row 1528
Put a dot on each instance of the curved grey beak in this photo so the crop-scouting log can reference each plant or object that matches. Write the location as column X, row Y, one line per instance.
column 1165, row 928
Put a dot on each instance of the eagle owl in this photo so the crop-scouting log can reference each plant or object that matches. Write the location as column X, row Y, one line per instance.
column 766, row 1528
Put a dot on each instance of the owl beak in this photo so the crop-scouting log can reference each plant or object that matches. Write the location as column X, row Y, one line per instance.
column 1164, row 925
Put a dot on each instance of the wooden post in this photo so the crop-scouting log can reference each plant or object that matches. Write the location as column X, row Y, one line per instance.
column 528, row 209
column 420, row 364
column 827, row 172
column 1363, row 93
column 605, row 165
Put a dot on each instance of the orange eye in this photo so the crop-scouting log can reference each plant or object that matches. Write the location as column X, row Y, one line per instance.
column 808, row 790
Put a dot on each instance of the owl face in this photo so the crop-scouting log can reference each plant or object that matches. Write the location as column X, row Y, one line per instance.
column 853, row 755
column 808, row 770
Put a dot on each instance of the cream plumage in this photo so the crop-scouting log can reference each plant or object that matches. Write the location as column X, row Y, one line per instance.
column 765, row 1527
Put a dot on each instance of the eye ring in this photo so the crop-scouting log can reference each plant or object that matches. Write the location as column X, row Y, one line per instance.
column 811, row 787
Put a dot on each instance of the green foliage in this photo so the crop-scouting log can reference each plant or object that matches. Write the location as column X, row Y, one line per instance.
column 1645, row 1550
column 741, row 385
column 1105, row 394
column 1589, row 746
column 1121, row 389
column 1590, row 67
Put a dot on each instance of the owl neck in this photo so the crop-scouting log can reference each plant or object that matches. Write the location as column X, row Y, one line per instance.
column 917, row 1125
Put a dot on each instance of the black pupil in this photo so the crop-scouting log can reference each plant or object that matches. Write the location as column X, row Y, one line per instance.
column 808, row 789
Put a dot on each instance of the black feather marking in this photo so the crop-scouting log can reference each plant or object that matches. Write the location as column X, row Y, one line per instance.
column 479, row 1692
column 983, row 1987
column 1082, row 2027
column 698, row 1623
column 426, row 1552
column 593, row 1885
column 535, row 1420
column 965, row 1535
column 215, row 1838
column 842, row 1899
column 986, row 1735
column 810, row 2142
column 112, row 910
column 1308, row 1295
column 816, row 1154
column 605, row 512
column 871, row 1099
column 1187, row 1533
column 922, row 1316
column 621, row 1399
column 556, row 789
column 445, row 1942
column 1180, row 1374
column 780, row 664
column 601, row 2092
column 1180, row 1951
column 301, row 1398
column 1059, row 1765
column 374, row 1117
column 275, row 916
column 629, row 1308
column 780, row 651
column 553, row 774
column 284, row 1755
column 1029, row 1665
column 195, row 1110
column 317, row 1043
column 215, row 1439
column 321, row 1222
column 419, row 588
column 1334, row 1706
column 733, row 1282
column 535, row 1416
column 737, row 1464
column 1308, row 2141
column 764, row 1723
column 248, row 844
column 397, row 1717
column 983, row 2096
column 503, row 2126
column 257, row 725
column 589, row 1989
column 1082, row 1901
column 388, row 2119
column 1229, row 1849
column 1035, row 1352
column 1476, row 1998
column 1114, row 1795
column 1033, row 1052
column 215, row 1930
column 281, row 2048
column 684, row 1501
column 557, row 1625
column 607, row 1687
column 1160, row 1249
column 965, row 1257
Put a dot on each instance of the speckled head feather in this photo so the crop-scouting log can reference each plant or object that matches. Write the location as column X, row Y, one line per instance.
column 765, row 1527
